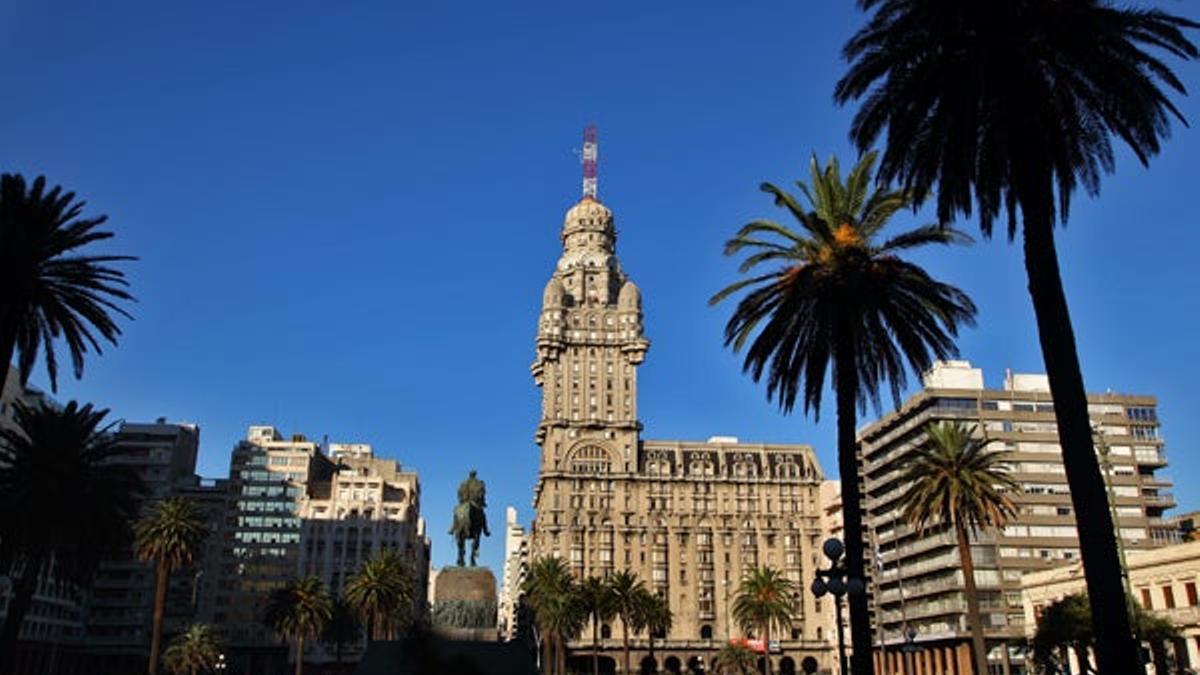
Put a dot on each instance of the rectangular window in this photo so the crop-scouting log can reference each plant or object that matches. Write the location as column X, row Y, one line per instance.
column 1146, row 599
column 1190, row 587
column 1169, row 597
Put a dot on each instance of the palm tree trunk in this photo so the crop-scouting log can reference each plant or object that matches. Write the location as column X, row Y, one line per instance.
column 968, row 569
column 1116, row 649
column 160, row 601
column 547, row 653
column 300, row 655
column 846, row 386
column 18, row 607
column 8, row 343
column 595, row 645
column 562, row 655
column 652, row 652
column 625, row 640
column 767, row 647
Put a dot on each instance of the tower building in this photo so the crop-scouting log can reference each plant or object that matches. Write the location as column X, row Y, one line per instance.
column 688, row 517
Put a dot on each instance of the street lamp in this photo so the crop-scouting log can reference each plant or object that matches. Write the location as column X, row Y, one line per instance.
column 837, row 583
column 220, row 664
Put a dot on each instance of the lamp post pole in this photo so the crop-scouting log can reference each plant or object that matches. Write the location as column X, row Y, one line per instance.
column 837, row 583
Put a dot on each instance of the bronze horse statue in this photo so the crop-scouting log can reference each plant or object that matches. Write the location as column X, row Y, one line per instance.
column 470, row 521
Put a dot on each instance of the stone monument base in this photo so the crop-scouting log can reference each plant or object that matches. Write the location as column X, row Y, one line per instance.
column 464, row 604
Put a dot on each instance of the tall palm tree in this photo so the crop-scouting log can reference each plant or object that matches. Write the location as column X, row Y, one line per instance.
column 194, row 651
column 735, row 660
column 1007, row 106
column 597, row 599
column 382, row 593
column 764, row 600
column 298, row 611
column 47, row 289
column 955, row 480
column 654, row 615
column 169, row 537
column 628, row 592
column 549, row 592
column 68, row 504
column 344, row 628
column 836, row 296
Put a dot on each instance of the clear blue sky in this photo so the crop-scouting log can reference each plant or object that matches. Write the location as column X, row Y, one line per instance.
column 346, row 213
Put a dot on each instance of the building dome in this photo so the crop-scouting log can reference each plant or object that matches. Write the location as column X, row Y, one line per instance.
column 630, row 297
column 588, row 214
column 552, row 297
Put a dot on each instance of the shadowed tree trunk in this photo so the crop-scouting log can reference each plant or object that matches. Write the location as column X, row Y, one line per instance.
column 160, row 601
column 300, row 655
column 846, row 387
column 978, row 645
column 1116, row 649
column 595, row 645
column 625, row 640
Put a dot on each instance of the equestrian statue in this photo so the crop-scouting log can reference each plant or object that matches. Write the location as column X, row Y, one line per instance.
column 470, row 521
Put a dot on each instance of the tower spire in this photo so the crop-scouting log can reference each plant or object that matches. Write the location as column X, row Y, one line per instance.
column 591, row 153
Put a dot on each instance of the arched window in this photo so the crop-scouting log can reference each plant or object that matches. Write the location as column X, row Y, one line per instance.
column 706, row 632
column 701, row 467
column 605, row 632
column 591, row 459
column 787, row 469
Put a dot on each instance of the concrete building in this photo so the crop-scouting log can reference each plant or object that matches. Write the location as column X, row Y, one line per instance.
column 1163, row 580
column 516, row 564
column 920, row 586
column 367, row 506
column 121, row 604
column 268, row 476
column 53, row 630
column 688, row 517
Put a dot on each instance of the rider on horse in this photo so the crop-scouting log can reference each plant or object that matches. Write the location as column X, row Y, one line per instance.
column 469, row 517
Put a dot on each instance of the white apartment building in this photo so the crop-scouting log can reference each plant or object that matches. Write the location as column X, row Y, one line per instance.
column 516, row 564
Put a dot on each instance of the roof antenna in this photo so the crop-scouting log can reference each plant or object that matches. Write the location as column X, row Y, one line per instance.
column 591, row 153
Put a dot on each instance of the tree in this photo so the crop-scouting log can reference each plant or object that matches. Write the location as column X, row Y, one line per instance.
column 654, row 615
column 838, row 297
column 344, row 627
column 1009, row 106
column 68, row 504
column 47, row 290
column 956, row 481
column 764, row 600
column 597, row 599
column 382, row 593
column 1066, row 624
column 169, row 537
column 628, row 592
column 299, row 611
column 735, row 660
column 550, row 592
column 194, row 651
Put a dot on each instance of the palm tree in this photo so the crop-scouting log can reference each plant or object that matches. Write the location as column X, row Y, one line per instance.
column 956, row 481
column 382, row 593
column 344, row 627
column 735, row 660
column 194, row 651
column 1007, row 107
column 299, row 611
column 47, row 290
column 763, row 600
column 839, row 297
column 68, row 504
column 628, row 592
column 169, row 537
column 597, row 600
column 654, row 615
column 550, row 593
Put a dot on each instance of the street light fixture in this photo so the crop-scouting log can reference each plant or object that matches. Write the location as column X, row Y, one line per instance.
column 837, row 582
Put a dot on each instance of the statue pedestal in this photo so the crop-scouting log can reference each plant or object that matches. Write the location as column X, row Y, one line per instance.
column 464, row 604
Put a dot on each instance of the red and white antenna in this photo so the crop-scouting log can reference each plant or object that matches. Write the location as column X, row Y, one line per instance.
column 591, row 153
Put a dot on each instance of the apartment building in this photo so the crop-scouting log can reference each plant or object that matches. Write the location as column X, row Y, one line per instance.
column 920, row 585
column 516, row 564
column 268, row 476
column 120, row 607
column 366, row 506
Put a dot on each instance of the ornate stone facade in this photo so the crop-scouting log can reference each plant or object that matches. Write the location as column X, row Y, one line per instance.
column 690, row 518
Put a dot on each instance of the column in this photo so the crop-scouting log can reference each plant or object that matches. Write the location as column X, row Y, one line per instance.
column 962, row 653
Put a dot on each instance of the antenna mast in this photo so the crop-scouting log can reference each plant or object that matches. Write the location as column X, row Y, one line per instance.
column 591, row 152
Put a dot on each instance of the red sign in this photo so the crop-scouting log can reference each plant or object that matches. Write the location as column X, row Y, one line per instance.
column 753, row 644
